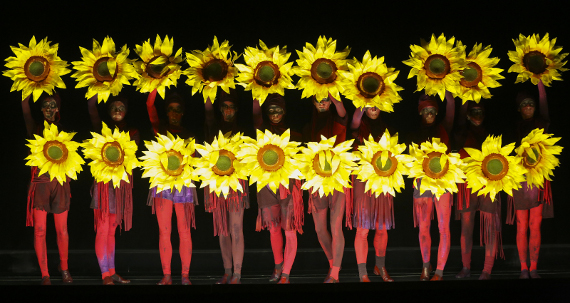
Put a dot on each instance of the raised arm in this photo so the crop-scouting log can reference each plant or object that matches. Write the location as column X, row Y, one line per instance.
column 543, row 104
column 28, row 119
column 462, row 119
column 356, row 118
column 449, row 112
column 210, row 117
column 257, row 114
column 339, row 107
column 94, row 113
column 152, row 114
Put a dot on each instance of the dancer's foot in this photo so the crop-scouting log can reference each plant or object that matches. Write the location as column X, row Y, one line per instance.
column 166, row 280
column 534, row 274
column 436, row 277
column 524, row 274
column 330, row 279
column 45, row 280
column 384, row 273
column 65, row 275
column 485, row 276
column 185, row 280
column 464, row 273
column 275, row 276
column 284, row 280
column 425, row 273
column 108, row 281
column 118, row 279
column 364, row 278
column 236, row 279
column 225, row 279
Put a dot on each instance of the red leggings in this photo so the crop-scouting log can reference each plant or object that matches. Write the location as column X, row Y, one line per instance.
column 443, row 208
column 40, row 217
column 361, row 244
column 164, row 217
column 277, row 244
column 333, row 246
column 232, row 246
column 467, row 225
column 523, row 244
column 105, row 243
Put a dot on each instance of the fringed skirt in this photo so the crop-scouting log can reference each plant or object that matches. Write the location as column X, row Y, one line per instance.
column 106, row 199
column 220, row 206
column 371, row 212
column 527, row 198
column 290, row 215
column 46, row 195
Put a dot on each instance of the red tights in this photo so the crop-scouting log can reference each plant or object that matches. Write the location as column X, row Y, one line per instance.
column 523, row 244
column 332, row 245
column 105, row 243
column 361, row 244
column 467, row 225
column 277, row 244
column 232, row 246
column 164, row 217
column 40, row 217
column 443, row 208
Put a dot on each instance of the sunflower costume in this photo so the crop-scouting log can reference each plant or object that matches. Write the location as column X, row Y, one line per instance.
column 479, row 75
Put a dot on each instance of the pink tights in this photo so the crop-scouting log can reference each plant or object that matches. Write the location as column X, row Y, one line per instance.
column 523, row 244
column 40, row 217
column 105, row 243
column 232, row 246
column 164, row 217
column 443, row 208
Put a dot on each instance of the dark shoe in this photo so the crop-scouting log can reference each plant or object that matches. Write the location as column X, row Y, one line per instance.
column 436, row 277
column 534, row 274
column 225, row 279
column 108, row 281
column 185, row 280
column 166, row 280
column 364, row 278
column 276, row 275
column 284, row 280
column 235, row 279
column 464, row 273
column 330, row 279
column 425, row 274
column 385, row 276
column 65, row 275
column 524, row 274
column 45, row 280
column 118, row 279
column 485, row 276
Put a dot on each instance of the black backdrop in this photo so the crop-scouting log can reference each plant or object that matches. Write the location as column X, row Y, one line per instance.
column 384, row 29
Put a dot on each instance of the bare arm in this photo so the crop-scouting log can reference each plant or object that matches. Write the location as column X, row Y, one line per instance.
column 543, row 104
column 152, row 114
column 449, row 112
column 93, row 113
column 257, row 115
column 28, row 119
column 356, row 118
column 339, row 107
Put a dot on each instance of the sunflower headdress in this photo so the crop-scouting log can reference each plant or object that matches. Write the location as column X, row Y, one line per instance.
column 169, row 162
column 538, row 156
column 268, row 160
column 326, row 167
column 382, row 164
column 479, row 74
column 437, row 65
column 266, row 72
column 318, row 68
column 491, row 169
column 158, row 68
column 113, row 155
column 36, row 68
column 438, row 170
column 219, row 167
column 210, row 69
column 371, row 83
column 55, row 154
column 103, row 71
column 537, row 59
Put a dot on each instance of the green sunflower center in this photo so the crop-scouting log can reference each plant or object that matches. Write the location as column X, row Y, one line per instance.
column 370, row 84
column 215, row 70
column 535, row 62
column 386, row 166
column 112, row 153
column 156, row 69
column 224, row 163
column 36, row 68
column 270, row 157
column 327, row 166
column 470, row 74
column 103, row 69
column 55, row 152
column 173, row 162
column 435, row 165
column 437, row 66
column 266, row 73
column 495, row 166
column 530, row 160
column 324, row 70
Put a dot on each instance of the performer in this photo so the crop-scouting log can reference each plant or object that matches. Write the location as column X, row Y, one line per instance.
column 472, row 134
column 370, row 212
column 424, row 203
column 328, row 123
column 227, row 211
column 531, row 205
column 45, row 196
column 183, row 201
column 284, row 209
column 111, row 206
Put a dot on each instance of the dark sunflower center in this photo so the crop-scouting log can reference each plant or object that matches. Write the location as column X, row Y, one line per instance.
column 435, row 165
column 324, row 70
column 112, row 153
column 437, row 66
column 270, row 157
column 386, row 166
column 55, row 152
column 266, row 73
column 370, row 84
column 103, row 69
column 470, row 74
column 224, row 163
column 156, row 69
column 36, row 68
column 494, row 166
column 535, row 62
column 215, row 70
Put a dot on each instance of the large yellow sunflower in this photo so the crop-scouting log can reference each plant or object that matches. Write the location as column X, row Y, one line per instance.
column 479, row 75
column 55, row 154
column 113, row 155
column 318, row 68
column 169, row 162
column 103, row 70
column 36, row 68
column 266, row 72
column 268, row 159
column 219, row 167
column 439, row 171
column 158, row 68
column 538, row 156
column 437, row 65
column 537, row 59
column 491, row 169
column 326, row 167
column 210, row 69
column 382, row 164
column 371, row 83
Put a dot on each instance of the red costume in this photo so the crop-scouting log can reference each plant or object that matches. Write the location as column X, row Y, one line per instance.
column 45, row 196
column 163, row 202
